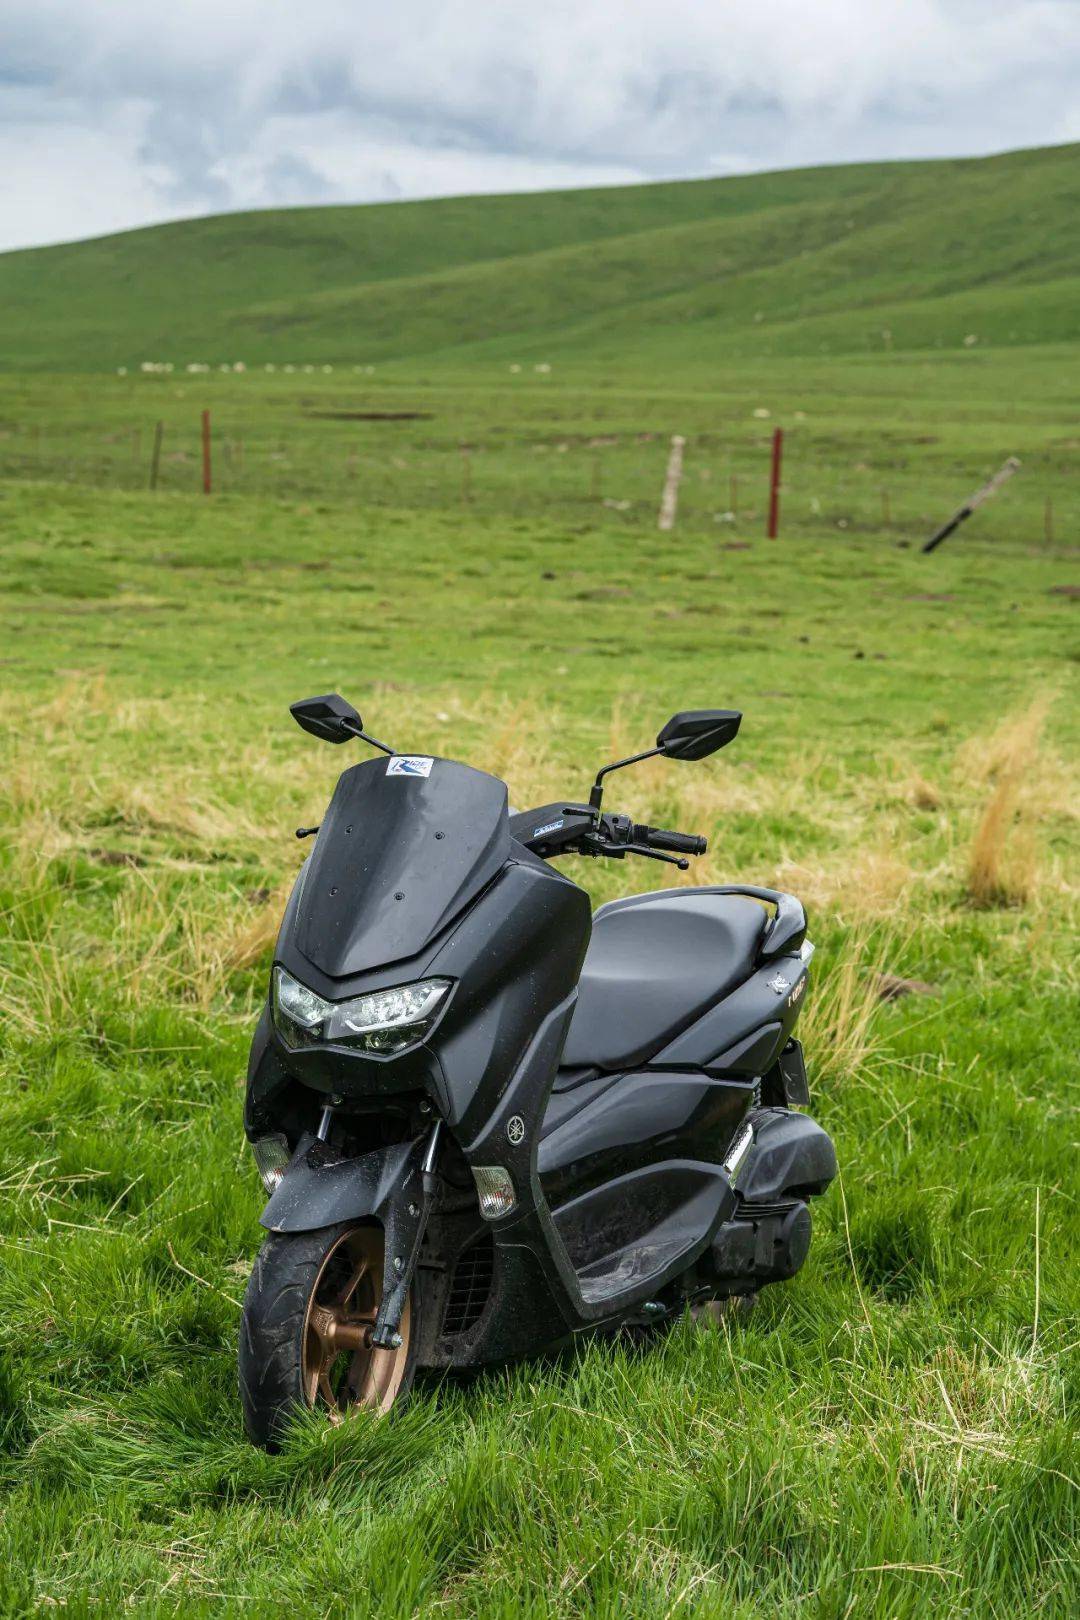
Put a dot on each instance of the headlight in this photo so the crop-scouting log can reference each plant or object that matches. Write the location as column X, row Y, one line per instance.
column 385, row 1021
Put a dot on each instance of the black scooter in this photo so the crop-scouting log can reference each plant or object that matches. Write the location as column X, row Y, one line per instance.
column 489, row 1120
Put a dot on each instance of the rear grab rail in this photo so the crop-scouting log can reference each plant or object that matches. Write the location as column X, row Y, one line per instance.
column 786, row 931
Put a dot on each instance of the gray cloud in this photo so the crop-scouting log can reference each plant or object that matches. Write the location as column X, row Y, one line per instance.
column 113, row 113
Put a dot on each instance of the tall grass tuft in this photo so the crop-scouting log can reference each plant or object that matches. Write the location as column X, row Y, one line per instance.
column 840, row 1023
column 1003, row 860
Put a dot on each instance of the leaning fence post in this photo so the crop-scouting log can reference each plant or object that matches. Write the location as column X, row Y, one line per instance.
column 669, row 500
column 991, row 487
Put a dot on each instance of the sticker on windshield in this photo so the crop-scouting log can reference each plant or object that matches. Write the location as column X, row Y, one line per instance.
column 409, row 765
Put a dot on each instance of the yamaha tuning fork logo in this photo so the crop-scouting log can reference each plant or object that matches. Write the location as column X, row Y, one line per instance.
column 515, row 1129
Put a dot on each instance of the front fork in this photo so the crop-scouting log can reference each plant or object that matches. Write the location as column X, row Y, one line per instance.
column 404, row 1224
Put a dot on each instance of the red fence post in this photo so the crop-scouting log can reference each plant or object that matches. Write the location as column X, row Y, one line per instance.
column 206, row 452
column 774, row 483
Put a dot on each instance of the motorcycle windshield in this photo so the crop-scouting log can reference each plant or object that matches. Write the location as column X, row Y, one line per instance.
column 406, row 843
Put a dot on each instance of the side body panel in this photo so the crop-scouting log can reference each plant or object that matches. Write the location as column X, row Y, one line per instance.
column 746, row 1031
column 635, row 1120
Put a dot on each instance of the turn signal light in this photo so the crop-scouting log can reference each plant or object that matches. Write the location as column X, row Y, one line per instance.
column 272, row 1155
column 496, row 1190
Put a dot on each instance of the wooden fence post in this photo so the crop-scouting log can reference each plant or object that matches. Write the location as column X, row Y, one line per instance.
column 669, row 500
column 973, row 503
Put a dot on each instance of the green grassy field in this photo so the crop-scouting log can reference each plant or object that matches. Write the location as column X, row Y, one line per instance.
column 891, row 1435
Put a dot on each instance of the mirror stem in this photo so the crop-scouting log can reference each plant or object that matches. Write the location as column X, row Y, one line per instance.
column 596, row 796
column 374, row 741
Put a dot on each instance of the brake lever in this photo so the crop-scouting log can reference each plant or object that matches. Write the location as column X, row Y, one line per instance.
column 656, row 855
column 593, row 844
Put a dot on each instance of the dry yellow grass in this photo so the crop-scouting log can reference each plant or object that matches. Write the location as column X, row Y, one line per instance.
column 1003, row 861
column 840, row 1024
column 921, row 794
column 161, row 834
column 252, row 938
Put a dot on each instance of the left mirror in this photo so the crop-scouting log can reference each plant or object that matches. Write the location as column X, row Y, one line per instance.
column 329, row 717
column 695, row 733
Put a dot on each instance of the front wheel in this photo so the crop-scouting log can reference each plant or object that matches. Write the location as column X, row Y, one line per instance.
column 309, row 1309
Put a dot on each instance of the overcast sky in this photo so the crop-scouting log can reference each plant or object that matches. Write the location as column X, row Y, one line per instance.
column 116, row 113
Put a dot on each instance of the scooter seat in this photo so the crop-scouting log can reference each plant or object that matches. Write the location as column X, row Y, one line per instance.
column 655, row 963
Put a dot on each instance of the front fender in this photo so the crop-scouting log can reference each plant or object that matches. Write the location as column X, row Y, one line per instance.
column 320, row 1188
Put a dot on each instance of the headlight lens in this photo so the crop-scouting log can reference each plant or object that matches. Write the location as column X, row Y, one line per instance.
column 386, row 1021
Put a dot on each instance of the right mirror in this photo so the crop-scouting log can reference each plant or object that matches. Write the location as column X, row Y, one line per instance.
column 697, row 732
column 329, row 717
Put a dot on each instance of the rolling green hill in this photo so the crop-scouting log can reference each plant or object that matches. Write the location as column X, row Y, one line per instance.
column 835, row 261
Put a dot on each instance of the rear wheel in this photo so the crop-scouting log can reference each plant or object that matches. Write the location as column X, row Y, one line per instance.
column 305, row 1336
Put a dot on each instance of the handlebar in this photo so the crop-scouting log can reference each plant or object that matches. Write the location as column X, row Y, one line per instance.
column 660, row 838
column 576, row 829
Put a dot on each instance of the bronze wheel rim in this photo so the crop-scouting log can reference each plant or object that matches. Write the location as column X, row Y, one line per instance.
column 341, row 1370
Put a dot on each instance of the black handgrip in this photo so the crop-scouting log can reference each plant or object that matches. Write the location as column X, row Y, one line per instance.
column 679, row 843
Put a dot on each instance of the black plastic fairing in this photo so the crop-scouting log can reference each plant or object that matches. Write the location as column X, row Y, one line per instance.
column 792, row 1157
column 765, row 1008
column 632, row 1232
column 321, row 1187
column 619, row 1124
column 515, row 951
column 398, row 856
